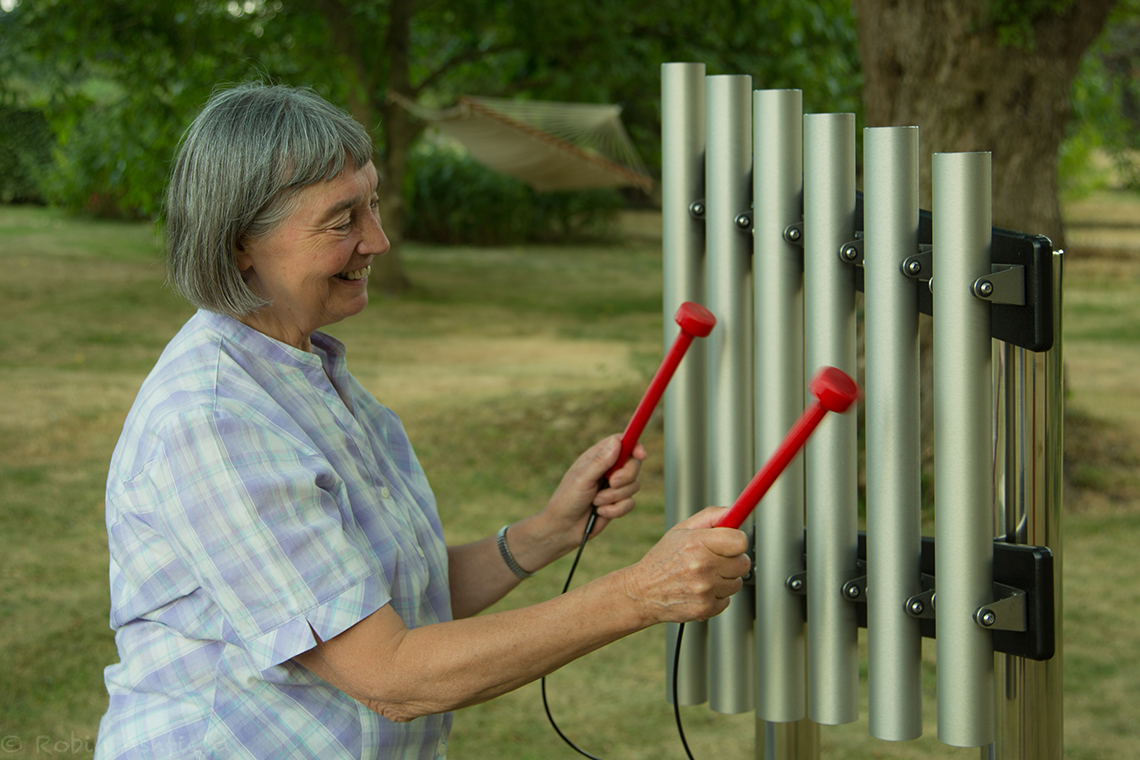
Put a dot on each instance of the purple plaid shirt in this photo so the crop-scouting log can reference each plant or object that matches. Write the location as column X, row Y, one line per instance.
column 259, row 493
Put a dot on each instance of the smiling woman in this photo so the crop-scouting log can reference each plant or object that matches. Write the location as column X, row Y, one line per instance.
column 280, row 586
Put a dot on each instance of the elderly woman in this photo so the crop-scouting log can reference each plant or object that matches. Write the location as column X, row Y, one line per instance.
column 280, row 585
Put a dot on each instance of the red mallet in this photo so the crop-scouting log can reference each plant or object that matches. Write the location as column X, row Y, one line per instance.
column 696, row 322
column 834, row 391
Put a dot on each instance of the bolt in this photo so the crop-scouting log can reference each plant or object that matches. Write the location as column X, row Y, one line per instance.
column 985, row 288
column 850, row 252
column 793, row 234
column 697, row 209
column 796, row 584
column 987, row 617
column 852, row 591
column 743, row 222
column 916, row 607
column 914, row 268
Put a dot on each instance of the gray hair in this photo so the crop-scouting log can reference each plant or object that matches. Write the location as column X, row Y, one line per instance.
column 235, row 177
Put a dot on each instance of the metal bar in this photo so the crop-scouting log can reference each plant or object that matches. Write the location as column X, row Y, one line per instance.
column 777, row 192
column 1029, row 693
column 728, row 165
column 894, row 432
column 964, row 491
column 831, row 456
column 683, row 253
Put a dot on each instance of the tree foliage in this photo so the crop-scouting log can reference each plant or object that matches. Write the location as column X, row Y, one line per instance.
column 158, row 61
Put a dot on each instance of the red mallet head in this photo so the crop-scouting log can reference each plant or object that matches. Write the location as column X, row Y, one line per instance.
column 835, row 389
column 696, row 322
column 695, row 319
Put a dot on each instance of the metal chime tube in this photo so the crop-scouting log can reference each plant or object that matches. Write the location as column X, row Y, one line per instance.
column 728, row 165
column 894, row 432
column 1030, row 393
column 831, row 456
column 964, row 491
column 777, row 192
column 683, row 252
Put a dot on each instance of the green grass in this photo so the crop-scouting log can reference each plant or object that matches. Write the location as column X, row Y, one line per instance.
column 504, row 363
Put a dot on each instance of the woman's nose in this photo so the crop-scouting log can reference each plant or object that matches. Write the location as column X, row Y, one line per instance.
column 373, row 241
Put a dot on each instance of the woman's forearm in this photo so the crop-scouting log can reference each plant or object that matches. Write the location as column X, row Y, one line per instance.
column 403, row 674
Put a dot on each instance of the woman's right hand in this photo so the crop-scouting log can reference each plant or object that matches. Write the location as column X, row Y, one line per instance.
column 691, row 573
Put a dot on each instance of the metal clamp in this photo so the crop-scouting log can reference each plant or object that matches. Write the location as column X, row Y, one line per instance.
column 794, row 233
column 1006, row 613
column 920, row 265
column 852, row 251
column 855, row 590
column 1005, row 285
column 922, row 605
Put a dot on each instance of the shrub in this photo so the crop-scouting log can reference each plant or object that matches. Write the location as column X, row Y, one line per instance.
column 25, row 153
column 453, row 199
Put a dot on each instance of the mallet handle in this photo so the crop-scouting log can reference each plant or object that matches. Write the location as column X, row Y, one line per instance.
column 759, row 485
column 649, row 401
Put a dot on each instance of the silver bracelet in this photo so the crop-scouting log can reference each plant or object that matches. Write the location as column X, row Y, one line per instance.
column 508, row 557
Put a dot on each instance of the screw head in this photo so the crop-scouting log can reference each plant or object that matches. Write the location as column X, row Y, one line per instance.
column 697, row 209
column 985, row 288
column 852, row 591
column 987, row 618
column 850, row 252
column 916, row 607
column 914, row 268
column 796, row 584
column 793, row 234
column 743, row 222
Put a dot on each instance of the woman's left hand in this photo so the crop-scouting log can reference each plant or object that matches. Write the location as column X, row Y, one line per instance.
column 583, row 488
column 557, row 530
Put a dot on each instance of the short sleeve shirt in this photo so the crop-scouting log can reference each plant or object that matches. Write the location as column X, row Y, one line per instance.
column 259, row 493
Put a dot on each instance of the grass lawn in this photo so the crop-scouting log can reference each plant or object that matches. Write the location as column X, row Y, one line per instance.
column 503, row 363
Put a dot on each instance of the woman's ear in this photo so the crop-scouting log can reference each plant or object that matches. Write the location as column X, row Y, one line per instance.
column 242, row 257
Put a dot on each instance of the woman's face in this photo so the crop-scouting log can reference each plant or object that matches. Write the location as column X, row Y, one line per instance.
column 314, row 267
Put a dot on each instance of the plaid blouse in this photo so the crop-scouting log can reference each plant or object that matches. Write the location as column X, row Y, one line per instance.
column 259, row 493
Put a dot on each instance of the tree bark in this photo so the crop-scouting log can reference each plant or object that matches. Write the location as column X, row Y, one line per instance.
column 939, row 65
column 399, row 134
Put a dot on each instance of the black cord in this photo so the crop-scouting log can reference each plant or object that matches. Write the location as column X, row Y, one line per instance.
column 569, row 577
column 676, row 698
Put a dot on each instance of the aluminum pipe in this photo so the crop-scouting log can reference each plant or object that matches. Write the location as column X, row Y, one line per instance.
column 964, row 489
column 728, row 167
column 683, row 254
column 894, row 432
column 777, row 193
column 831, row 456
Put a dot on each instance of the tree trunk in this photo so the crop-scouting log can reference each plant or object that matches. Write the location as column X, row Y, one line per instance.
column 399, row 134
column 939, row 65
column 373, row 71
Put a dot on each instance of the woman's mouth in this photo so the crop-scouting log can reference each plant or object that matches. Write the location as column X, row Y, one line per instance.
column 356, row 274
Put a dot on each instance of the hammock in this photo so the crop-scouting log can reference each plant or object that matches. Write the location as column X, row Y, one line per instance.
column 549, row 146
